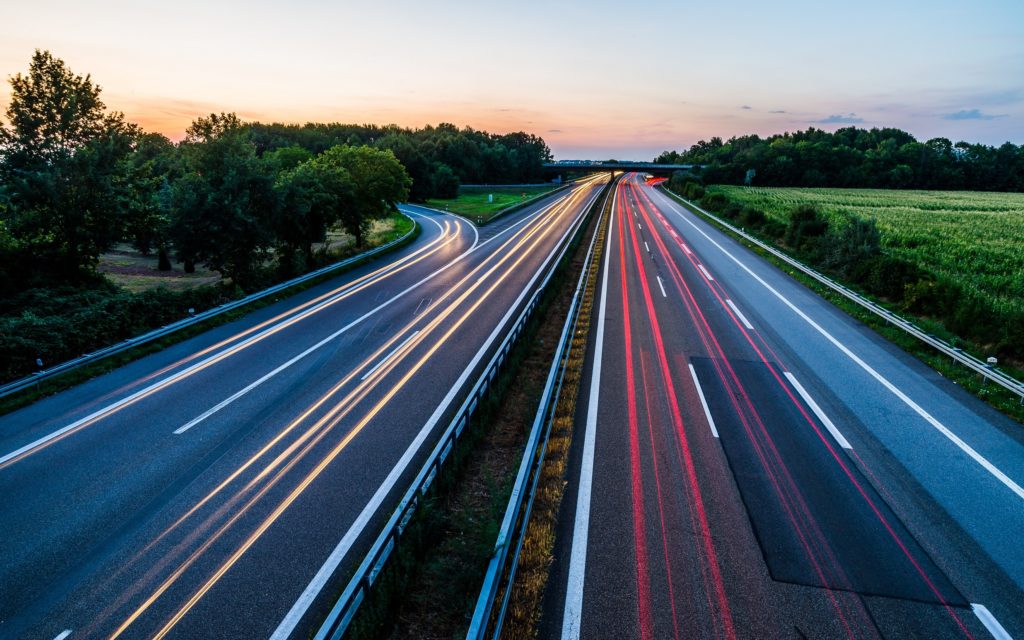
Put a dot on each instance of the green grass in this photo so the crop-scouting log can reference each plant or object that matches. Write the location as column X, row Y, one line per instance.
column 974, row 238
column 473, row 204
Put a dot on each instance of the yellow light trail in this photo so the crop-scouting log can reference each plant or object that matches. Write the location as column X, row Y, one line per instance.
column 540, row 230
column 446, row 235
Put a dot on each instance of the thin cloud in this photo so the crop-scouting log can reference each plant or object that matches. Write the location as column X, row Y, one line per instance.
column 554, row 131
column 971, row 114
column 778, row 111
column 850, row 118
column 746, row 107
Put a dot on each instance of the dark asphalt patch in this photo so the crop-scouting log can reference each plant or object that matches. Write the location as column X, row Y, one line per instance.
column 829, row 536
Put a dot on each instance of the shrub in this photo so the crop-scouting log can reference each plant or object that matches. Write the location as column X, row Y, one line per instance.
column 714, row 202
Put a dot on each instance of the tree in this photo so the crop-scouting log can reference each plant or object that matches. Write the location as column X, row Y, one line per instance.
column 378, row 182
column 152, row 166
column 311, row 196
column 224, row 203
column 63, row 157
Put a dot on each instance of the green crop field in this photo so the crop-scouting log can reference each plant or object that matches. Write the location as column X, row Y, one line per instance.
column 975, row 238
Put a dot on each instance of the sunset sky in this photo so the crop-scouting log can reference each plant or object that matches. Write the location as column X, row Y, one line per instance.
column 595, row 79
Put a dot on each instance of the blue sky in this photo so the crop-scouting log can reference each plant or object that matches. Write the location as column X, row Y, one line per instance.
column 595, row 79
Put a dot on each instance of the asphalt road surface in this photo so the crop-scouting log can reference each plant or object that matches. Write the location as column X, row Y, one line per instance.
column 751, row 462
column 224, row 487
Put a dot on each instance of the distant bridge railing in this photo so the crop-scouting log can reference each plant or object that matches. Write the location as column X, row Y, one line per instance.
column 588, row 165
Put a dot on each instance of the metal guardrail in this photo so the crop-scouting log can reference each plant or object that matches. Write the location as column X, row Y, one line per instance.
column 340, row 616
column 987, row 370
column 525, row 203
column 130, row 343
column 525, row 486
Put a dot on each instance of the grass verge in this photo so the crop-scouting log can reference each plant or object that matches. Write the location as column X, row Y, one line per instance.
column 473, row 203
column 430, row 585
column 51, row 386
column 996, row 396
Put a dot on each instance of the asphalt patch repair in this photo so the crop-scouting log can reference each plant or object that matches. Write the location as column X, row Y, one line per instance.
column 817, row 524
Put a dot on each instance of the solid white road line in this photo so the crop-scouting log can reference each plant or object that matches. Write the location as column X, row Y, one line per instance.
column 843, row 442
column 739, row 314
column 238, row 394
column 389, row 356
column 67, row 632
column 990, row 622
column 918, row 409
column 127, row 400
column 662, row 287
column 330, row 565
column 705, row 272
column 647, row 246
column 703, row 402
column 573, row 611
column 687, row 250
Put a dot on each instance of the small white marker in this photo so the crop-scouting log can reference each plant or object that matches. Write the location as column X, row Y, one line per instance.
column 705, row 272
column 990, row 622
column 817, row 411
column 640, row 226
column 63, row 634
column 648, row 247
column 703, row 402
column 663, row 294
column 687, row 250
column 739, row 314
column 389, row 356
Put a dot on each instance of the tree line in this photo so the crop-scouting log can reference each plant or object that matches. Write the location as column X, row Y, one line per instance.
column 856, row 158
column 76, row 178
column 252, row 201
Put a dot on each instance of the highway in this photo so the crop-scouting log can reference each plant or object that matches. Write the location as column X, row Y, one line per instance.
column 748, row 461
column 224, row 487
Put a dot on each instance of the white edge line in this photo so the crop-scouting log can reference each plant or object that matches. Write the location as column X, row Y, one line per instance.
column 662, row 286
column 390, row 355
column 330, row 565
column 990, row 622
column 739, row 314
column 704, row 271
column 843, row 442
column 231, row 350
column 929, row 418
column 67, row 632
column 703, row 402
column 573, row 610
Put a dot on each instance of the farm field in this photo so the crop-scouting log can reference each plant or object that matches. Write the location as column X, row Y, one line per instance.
column 975, row 238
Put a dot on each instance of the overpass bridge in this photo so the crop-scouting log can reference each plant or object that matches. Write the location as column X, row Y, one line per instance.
column 589, row 165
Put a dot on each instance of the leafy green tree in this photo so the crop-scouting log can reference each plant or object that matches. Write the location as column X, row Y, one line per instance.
column 310, row 199
column 152, row 166
column 224, row 203
column 63, row 157
column 379, row 182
